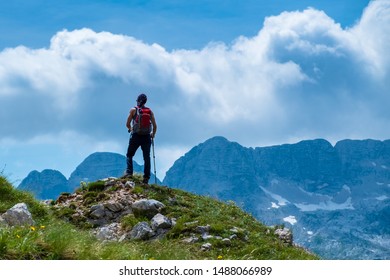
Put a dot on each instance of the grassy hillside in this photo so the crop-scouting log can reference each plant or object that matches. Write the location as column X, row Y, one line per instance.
column 56, row 235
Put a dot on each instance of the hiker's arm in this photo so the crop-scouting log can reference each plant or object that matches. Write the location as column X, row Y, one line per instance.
column 153, row 120
column 129, row 118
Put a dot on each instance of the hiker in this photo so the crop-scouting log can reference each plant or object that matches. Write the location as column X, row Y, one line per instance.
column 142, row 126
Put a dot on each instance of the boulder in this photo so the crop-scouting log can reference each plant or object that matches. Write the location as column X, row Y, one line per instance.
column 109, row 232
column 159, row 221
column 141, row 231
column 147, row 207
column 113, row 206
column 97, row 211
column 18, row 215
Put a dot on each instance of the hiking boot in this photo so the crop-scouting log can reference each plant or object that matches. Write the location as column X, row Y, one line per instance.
column 145, row 181
column 127, row 175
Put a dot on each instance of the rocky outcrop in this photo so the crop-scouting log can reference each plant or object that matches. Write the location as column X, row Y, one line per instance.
column 147, row 207
column 285, row 235
column 114, row 201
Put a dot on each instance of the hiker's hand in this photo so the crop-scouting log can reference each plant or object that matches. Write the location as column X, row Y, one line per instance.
column 152, row 135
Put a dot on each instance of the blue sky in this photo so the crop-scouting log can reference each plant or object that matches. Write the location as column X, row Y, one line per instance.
column 257, row 72
column 172, row 24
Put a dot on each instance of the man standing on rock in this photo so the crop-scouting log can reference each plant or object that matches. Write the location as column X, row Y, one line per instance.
column 142, row 126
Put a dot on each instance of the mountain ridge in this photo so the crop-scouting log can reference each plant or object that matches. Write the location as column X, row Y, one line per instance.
column 338, row 193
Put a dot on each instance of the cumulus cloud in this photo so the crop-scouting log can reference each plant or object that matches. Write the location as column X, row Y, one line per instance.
column 301, row 76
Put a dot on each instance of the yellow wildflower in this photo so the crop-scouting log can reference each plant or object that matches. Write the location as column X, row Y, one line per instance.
column 42, row 227
column 32, row 228
column 220, row 257
column 18, row 236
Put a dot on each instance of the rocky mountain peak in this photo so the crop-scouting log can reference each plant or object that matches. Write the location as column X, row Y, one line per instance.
column 45, row 184
column 321, row 191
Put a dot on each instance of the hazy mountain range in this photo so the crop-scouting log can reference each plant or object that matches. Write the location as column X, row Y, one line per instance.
column 335, row 198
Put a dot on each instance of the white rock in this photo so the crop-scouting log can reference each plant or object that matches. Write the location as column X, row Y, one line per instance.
column 160, row 221
column 18, row 215
column 206, row 247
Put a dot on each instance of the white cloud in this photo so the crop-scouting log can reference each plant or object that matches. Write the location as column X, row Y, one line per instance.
column 165, row 157
column 301, row 76
column 372, row 38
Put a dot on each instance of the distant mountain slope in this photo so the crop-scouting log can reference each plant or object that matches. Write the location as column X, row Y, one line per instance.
column 335, row 198
column 46, row 184
column 100, row 165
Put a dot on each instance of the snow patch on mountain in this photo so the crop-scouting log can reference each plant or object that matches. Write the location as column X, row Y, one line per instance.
column 290, row 219
column 382, row 197
column 326, row 205
column 281, row 200
column 274, row 205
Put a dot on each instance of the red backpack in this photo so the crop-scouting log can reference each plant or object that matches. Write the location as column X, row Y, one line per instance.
column 141, row 121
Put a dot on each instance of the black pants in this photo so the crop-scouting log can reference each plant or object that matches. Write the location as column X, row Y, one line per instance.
column 136, row 140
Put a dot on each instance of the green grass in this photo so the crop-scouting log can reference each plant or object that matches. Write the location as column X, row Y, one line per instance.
column 55, row 236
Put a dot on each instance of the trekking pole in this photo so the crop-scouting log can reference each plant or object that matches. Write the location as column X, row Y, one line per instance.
column 154, row 162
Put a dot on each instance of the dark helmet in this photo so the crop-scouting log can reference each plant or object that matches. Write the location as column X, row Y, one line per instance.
column 142, row 98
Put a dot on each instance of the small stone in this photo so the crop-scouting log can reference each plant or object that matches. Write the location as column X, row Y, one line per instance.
column 235, row 230
column 191, row 239
column 203, row 229
column 206, row 247
column 233, row 236
column 226, row 242
column 206, row 236
column 129, row 184
column 159, row 221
